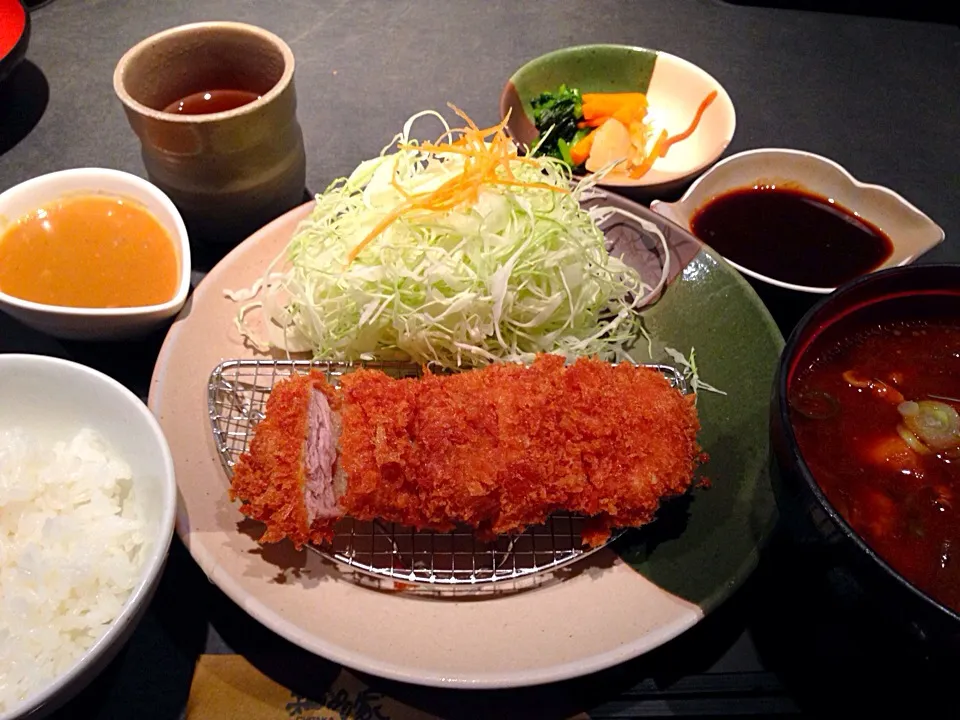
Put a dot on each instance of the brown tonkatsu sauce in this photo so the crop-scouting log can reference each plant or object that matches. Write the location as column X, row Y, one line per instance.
column 791, row 235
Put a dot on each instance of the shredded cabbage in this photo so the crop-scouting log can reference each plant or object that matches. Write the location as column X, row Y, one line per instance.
column 688, row 366
column 521, row 270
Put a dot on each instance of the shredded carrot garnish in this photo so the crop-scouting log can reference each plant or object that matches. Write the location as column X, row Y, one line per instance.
column 486, row 132
column 693, row 125
column 488, row 154
column 644, row 167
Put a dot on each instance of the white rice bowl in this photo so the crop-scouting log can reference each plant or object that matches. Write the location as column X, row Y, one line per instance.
column 87, row 501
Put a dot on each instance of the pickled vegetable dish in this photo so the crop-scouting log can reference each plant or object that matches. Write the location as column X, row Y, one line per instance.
column 876, row 420
column 598, row 131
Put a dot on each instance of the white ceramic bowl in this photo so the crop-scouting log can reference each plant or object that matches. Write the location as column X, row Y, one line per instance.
column 95, row 323
column 910, row 231
column 57, row 397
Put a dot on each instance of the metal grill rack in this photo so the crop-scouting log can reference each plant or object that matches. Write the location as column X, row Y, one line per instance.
column 386, row 555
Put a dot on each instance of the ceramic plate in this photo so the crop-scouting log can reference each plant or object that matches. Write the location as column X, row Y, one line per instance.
column 621, row 602
column 674, row 88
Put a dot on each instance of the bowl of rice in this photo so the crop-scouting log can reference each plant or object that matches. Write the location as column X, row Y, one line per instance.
column 87, row 503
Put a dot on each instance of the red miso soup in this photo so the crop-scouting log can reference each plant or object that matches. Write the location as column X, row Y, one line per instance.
column 875, row 407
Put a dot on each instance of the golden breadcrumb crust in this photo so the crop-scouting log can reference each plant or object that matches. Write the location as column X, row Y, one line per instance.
column 497, row 449
column 269, row 478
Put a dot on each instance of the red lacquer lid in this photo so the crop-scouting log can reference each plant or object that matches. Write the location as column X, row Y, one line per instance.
column 13, row 20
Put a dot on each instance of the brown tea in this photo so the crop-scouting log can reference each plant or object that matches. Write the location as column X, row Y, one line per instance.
column 211, row 101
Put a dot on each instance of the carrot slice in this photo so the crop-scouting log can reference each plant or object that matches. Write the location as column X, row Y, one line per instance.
column 693, row 125
column 606, row 104
column 616, row 97
column 633, row 109
column 581, row 149
column 638, row 171
column 594, row 123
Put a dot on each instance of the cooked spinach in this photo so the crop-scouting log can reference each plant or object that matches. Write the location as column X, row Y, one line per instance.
column 556, row 115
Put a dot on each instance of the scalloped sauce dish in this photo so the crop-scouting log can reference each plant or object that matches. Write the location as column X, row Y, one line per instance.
column 800, row 221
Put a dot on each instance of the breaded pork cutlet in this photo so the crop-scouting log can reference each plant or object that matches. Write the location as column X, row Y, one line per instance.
column 497, row 449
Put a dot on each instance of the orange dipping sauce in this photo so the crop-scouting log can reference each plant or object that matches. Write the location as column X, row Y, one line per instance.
column 90, row 251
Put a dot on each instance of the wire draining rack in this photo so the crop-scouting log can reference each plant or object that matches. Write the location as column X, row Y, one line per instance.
column 386, row 555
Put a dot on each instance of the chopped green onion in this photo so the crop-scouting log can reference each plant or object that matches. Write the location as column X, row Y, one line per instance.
column 912, row 440
column 936, row 424
column 815, row 404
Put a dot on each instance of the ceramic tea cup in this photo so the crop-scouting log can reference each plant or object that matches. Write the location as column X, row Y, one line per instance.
column 214, row 106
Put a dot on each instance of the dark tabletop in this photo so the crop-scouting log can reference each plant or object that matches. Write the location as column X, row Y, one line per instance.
column 876, row 94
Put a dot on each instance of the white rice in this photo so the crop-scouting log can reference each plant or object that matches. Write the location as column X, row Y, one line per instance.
column 71, row 550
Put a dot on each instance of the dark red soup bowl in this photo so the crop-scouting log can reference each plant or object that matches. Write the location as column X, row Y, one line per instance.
column 866, row 441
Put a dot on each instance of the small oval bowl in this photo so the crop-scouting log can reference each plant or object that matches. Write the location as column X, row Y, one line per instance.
column 57, row 397
column 674, row 89
column 95, row 323
column 808, row 516
column 14, row 35
column 911, row 232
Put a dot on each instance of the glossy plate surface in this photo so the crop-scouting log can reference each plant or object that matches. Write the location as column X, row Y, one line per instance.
column 619, row 603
